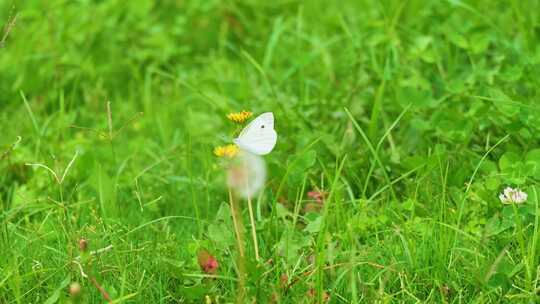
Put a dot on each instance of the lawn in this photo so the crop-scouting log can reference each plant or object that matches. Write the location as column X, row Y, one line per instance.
column 400, row 124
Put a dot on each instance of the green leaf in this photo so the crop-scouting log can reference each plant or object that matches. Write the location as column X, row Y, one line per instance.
column 493, row 226
column 508, row 161
column 56, row 294
column 493, row 183
column 504, row 104
column 221, row 235
column 224, row 213
column 54, row 297
column 418, row 98
column 512, row 74
column 532, row 160
column 458, row 39
column 291, row 244
column 479, row 42
column 408, row 205
column 314, row 226
column 281, row 211
column 488, row 167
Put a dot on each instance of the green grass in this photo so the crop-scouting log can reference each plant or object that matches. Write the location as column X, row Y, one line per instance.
column 411, row 115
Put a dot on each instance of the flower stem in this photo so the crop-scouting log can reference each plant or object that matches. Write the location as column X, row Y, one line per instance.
column 253, row 229
column 241, row 292
column 239, row 238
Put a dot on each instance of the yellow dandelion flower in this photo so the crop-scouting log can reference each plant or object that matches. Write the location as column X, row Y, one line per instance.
column 229, row 151
column 239, row 117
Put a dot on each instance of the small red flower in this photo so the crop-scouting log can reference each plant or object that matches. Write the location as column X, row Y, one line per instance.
column 208, row 263
column 317, row 195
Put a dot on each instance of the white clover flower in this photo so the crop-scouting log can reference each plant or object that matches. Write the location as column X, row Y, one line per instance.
column 513, row 196
column 246, row 174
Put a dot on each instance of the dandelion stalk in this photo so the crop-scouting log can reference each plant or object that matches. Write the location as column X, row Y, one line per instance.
column 246, row 176
column 239, row 234
column 241, row 293
column 253, row 229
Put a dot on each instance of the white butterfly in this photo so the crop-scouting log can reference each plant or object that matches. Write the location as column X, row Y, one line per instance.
column 259, row 136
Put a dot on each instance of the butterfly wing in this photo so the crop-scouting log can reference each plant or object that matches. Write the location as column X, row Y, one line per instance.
column 259, row 137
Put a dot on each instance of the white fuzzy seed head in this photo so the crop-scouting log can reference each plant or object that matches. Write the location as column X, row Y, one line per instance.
column 246, row 174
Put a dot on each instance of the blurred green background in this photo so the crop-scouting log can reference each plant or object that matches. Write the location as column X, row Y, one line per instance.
column 431, row 108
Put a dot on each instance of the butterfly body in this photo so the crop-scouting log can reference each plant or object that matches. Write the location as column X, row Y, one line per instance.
column 259, row 136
